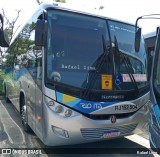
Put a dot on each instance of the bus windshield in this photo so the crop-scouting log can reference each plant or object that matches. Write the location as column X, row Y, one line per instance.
column 81, row 53
column 127, row 59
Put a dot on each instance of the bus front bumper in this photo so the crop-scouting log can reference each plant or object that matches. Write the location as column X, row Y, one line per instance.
column 80, row 129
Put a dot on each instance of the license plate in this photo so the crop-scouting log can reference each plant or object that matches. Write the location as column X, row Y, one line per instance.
column 111, row 134
column 126, row 107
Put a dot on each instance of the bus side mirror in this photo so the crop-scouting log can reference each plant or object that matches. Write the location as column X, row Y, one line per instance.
column 4, row 40
column 40, row 36
column 157, row 30
column 137, row 40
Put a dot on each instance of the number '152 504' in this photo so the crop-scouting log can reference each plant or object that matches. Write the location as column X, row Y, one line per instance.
column 126, row 107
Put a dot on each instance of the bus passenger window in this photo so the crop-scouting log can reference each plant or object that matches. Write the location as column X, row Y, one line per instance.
column 158, row 73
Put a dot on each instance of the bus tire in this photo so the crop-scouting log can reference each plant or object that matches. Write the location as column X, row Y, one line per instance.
column 24, row 116
column 6, row 96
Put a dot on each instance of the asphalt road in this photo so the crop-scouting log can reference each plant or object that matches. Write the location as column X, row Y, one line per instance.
column 12, row 135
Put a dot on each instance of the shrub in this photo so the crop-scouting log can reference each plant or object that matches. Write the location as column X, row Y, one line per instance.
column 2, row 76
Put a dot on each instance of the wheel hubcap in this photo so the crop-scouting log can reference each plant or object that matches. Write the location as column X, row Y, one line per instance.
column 24, row 118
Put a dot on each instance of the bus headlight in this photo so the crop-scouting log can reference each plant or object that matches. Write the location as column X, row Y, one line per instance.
column 68, row 113
column 60, row 109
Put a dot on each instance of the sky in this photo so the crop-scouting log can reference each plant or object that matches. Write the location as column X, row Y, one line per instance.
column 124, row 10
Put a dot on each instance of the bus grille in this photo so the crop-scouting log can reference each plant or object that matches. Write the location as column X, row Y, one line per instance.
column 97, row 133
column 108, row 116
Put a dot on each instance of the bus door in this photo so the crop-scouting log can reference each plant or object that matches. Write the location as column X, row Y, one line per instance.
column 34, row 81
column 154, row 125
column 38, row 94
column 31, row 92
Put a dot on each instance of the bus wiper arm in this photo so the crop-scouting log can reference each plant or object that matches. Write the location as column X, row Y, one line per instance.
column 127, row 64
column 51, row 83
column 92, row 75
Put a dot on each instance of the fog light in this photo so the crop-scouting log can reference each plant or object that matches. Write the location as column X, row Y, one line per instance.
column 60, row 132
column 68, row 113
column 59, row 109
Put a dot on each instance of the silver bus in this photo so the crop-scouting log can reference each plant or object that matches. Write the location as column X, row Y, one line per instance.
column 75, row 77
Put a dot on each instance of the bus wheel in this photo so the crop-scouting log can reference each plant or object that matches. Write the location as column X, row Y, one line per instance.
column 6, row 97
column 24, row 116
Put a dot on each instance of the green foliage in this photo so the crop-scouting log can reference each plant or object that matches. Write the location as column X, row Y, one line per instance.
column 7, row 77
column 2, row 76
column 19, row 47
column 9, row 61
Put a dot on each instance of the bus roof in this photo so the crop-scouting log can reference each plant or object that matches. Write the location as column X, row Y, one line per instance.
column 68, row 7
column 80, row 9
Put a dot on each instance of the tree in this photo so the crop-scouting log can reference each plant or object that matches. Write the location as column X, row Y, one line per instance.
column 21, row 45
column 10, row 24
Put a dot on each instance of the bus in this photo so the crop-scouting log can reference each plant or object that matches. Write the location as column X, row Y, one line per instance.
column 153, row 46
column 150, row 40
column 76, row 77
column 154, row 125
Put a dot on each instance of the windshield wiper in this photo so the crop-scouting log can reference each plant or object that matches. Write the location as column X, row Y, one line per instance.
column 127, row 64
column 92, row 75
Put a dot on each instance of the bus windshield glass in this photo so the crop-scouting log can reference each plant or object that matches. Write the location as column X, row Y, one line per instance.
column 127, row 60
column 81, row 54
